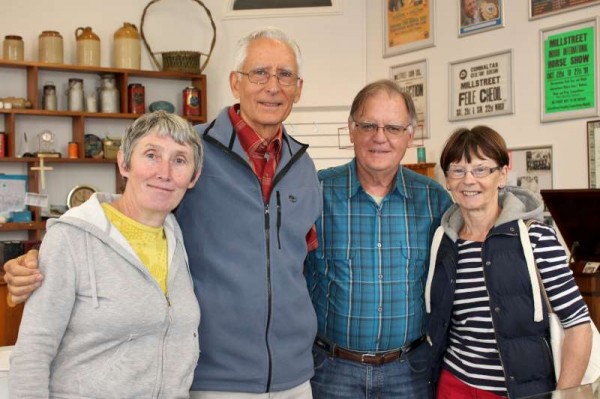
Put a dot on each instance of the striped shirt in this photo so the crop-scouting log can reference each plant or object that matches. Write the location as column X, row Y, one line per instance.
column 367, row 277
column 472, row 353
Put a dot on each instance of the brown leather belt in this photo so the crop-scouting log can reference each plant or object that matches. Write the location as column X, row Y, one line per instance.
column 376, row 359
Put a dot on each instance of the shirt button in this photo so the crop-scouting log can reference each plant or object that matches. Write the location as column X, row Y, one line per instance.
column 488, row 263
column 380, row 309
column 380, row 276
column 378, row 245
column 497, row 309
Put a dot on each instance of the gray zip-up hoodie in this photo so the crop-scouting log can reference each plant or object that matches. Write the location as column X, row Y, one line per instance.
column 100, row 326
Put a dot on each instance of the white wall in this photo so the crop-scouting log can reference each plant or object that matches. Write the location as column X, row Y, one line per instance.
column 521, row 129
column 333, row 46
column 341, row 53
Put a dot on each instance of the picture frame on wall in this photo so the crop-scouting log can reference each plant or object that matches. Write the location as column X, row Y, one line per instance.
column 593, row 150
column 546, row 8
column 476, row 16
column 235, row 9
column 569, row 75
column 481, row 86
column 531, row 168
column 408, row 26
column 412, row 78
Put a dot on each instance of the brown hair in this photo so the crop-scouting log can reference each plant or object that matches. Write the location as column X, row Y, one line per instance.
column 388, row 86
column 480, row 141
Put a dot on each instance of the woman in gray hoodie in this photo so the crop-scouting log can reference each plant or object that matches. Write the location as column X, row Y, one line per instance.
column 117, row 316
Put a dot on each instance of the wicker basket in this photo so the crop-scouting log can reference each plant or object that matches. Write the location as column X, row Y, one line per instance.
column 180, row 61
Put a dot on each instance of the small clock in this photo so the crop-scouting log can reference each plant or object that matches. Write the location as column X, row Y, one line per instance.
column 46, row 142
column 79, row 194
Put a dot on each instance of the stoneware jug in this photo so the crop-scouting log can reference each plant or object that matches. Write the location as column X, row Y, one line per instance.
column 127, row 47
column 50, row 47
column 88, row 47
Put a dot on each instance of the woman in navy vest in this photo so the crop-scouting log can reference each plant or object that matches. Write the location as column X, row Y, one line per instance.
column 490, row 337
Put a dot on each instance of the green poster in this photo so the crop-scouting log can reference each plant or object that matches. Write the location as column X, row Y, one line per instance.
column 569, row 71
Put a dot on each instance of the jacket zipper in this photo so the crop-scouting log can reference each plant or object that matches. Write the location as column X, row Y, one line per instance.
column 492, row 318
column 162, row 360
column 276, row 179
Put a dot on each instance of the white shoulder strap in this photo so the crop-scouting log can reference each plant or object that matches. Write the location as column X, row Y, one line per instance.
column 435, row 245
column 531, row 269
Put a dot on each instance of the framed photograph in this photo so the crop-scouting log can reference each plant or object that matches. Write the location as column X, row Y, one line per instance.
column 412, row 78
column 479, row 16
column 481, row 86
column 408, row 25
column 569, row 84
column 544, row 8
column 531, row 168
column 280, row 8
column 593, row 144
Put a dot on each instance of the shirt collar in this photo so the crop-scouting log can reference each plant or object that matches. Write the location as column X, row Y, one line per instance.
column 249, row 139
column 399, row 186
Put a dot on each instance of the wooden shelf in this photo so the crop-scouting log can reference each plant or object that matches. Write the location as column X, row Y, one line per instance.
column 78, row 120
column 59, row 160
column 41, row 225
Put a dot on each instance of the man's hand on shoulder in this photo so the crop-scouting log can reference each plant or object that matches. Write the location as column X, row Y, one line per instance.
column 22, row 277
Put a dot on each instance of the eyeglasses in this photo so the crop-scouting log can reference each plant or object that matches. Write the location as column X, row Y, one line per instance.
column 261, row 77
column 392, row 130
column 478, row 172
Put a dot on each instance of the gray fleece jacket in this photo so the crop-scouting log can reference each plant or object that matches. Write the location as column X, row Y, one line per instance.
column 100, row 326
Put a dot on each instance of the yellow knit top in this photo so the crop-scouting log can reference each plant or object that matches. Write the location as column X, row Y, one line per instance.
column 149, row 243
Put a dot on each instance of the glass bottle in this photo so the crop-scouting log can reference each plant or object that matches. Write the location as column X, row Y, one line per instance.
column 75, row 95
column 108, row 94
column 49, row 100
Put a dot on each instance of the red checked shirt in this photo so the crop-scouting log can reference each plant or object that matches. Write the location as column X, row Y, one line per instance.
column 264, row 156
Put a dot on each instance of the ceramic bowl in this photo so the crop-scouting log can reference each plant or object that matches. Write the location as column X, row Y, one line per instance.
column 162, row 105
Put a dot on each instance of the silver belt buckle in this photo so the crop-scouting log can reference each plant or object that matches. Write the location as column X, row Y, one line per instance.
column 364, row 355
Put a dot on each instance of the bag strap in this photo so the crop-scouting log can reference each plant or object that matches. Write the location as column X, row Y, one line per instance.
column 534, row 274
column 435, row 246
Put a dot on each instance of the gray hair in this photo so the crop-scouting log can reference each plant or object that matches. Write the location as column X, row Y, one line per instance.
column 388, row 86
column 164, row 124
column 270, row 32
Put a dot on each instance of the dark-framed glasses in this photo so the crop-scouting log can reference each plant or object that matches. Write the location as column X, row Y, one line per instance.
column 392, row 130
column 261, row 77
column 477, row 172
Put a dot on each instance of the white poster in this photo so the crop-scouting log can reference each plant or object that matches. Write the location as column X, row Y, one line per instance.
column 481, row 86
column 412, row 78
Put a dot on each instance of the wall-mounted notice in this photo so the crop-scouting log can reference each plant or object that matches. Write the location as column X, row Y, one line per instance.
column 481, row 86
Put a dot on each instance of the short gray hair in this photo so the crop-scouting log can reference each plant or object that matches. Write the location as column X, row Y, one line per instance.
column 164, row 124
column 388, row 86
column 270, row 32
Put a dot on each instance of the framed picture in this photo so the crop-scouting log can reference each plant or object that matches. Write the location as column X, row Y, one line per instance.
column 544, row 8
column 531, row 168
column 593, row 141
column 479, row 16
column 481, row 86
column 280, row 8
column 412, row 78
column 569, row 71
column 408, row 25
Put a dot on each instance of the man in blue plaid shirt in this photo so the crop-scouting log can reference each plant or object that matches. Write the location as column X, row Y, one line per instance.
column 367, row 277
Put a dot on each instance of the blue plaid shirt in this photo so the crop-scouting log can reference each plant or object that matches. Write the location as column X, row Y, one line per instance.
column 367, row 277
